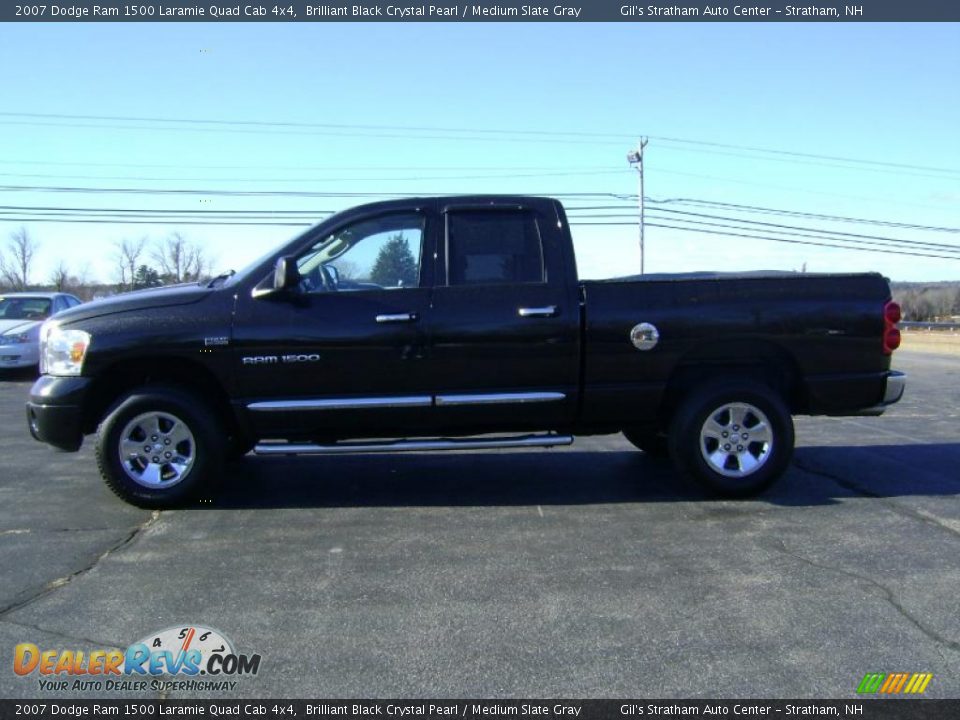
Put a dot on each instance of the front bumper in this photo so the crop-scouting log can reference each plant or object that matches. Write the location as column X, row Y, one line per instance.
column 19, row 355
column 55, row 411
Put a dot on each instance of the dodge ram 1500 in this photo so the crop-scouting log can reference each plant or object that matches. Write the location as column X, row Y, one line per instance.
column 458, row 322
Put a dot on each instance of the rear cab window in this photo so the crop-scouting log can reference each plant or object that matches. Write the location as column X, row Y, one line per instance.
column 493, row 247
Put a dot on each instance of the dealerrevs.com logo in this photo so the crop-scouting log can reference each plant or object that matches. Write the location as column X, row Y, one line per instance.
column 186, row 653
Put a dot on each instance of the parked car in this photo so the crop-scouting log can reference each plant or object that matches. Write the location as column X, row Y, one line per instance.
column 458, row 323
column 21, row 315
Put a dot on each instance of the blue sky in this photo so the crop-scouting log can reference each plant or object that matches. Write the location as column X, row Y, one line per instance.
column 881, row 92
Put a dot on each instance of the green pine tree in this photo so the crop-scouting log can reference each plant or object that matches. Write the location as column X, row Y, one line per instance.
column 146, row 277
column 395, row 265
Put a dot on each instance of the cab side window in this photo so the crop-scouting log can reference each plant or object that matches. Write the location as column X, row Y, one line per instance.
column 381, row 253
column 490, row 247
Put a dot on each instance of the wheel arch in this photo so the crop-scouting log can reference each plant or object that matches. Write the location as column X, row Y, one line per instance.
column 759, row 360
column 123, row 376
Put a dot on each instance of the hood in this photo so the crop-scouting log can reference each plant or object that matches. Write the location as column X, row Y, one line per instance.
column 17, row 325
column 136, row 300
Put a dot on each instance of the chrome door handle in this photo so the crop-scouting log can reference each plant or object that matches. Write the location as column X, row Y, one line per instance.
column 538, row 312
column 396, row 318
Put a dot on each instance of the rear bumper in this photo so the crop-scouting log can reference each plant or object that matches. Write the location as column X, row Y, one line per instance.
column 869, row 394
column 896, row 384
column 55, row 411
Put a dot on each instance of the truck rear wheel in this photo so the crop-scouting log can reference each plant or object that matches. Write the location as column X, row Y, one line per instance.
column 734, row 437
column 158, row 446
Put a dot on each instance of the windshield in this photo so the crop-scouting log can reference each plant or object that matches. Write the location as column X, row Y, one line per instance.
column 249, row 267
column 24, row 308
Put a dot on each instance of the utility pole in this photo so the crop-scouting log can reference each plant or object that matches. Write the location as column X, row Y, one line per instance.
column 635, row 158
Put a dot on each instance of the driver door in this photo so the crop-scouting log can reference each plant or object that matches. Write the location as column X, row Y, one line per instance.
column 344, row 356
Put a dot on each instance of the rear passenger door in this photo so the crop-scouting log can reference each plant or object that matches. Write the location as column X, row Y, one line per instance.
column 504, row 322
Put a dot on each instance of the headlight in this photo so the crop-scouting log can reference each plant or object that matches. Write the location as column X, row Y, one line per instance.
column 62, row 351
column 14, row 338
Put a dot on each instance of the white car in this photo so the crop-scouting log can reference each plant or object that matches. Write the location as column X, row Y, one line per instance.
column 21, row 315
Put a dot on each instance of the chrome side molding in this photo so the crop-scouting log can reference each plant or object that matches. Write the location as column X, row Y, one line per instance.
column 499, row 398
column 369, row 403
column 481, row 443
column 342, row 403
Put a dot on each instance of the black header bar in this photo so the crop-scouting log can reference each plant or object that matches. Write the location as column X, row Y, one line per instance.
column 483, row 11
column 857, row 707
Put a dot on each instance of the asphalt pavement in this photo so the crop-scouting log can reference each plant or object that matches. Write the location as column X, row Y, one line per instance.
column 588, row 571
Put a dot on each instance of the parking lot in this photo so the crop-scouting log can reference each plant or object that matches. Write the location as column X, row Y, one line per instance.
column 580, row 572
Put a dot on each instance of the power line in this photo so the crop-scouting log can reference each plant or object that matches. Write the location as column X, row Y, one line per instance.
column 775, row 239
column 759, row 210
column 792, row 230
column 794, row 188
column 154, row 222
column 155, row 215
column 264, row 193
column 228, row 223
column 799, row 213
column 797, row 227
column 792, row 153
column 135, row 178
column 629, row 212
column 388, row 168
column 322, row 133
column 807, row 233
column 559, row 136
column 942, row 174
column 899, row 244
column 51, row 208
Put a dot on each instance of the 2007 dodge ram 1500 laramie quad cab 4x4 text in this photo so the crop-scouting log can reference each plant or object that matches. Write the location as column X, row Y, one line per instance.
column 458, row 322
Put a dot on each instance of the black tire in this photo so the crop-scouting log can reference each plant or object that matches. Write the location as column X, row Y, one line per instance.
column 746, row 461
column 652, row 443
column 237, row 447
column 195, row 447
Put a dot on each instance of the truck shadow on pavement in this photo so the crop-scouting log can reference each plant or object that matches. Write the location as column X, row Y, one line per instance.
column 819, row 476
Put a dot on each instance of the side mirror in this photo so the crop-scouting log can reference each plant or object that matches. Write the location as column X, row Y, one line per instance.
column 284, row 283
column 286, row 275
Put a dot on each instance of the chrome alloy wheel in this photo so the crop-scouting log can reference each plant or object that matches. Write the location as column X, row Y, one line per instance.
column 736, row 440
column 157, row 450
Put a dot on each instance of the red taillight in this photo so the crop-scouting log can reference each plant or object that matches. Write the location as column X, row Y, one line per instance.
column 891, row 339
column 891, row 312
column 891, row 333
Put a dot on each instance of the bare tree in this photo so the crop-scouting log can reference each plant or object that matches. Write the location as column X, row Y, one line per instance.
column 81, row 283
column 60, row 277
column 127, row 257
column 181, row 260
column 347, row 269
column 17, row 261
column 942, row 300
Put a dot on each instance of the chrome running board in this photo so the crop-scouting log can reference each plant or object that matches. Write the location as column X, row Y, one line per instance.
column 521, row 441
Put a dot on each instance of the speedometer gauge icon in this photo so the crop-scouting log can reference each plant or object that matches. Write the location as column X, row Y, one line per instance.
column 184, row 638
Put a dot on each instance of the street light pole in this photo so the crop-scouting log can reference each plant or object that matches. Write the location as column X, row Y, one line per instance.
column 635, row 158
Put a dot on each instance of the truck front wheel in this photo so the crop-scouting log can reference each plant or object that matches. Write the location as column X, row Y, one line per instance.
column 158, row 446
column 734, row 437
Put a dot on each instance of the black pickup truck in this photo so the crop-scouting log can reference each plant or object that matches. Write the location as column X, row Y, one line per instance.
column 457, row 323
